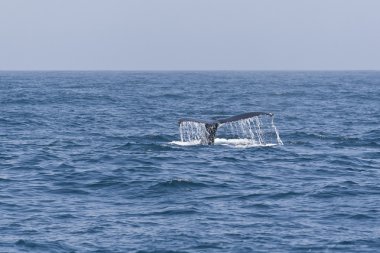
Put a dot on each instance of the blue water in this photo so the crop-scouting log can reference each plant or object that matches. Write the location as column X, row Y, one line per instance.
column 88, row 164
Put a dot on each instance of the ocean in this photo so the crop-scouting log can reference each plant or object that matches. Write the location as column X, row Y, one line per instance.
column 92, row 162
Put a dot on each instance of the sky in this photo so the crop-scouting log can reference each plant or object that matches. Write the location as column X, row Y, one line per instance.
column 189, row 35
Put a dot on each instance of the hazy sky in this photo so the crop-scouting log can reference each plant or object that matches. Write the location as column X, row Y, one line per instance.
column 189, row 34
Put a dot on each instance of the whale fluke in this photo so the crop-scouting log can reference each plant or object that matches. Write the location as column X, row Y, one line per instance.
column 244, row 116
column 211, row 126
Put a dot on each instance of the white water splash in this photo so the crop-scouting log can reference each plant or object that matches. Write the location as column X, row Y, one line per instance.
column 186, row 143
column 238, row 143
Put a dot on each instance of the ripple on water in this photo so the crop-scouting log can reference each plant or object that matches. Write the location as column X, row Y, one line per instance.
column 178, row 184
column 34, row 246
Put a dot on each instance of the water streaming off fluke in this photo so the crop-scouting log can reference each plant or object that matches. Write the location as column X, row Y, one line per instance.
column 193, row 132
column 258, row 130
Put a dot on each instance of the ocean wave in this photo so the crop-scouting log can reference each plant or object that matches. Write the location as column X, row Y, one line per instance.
column 69, row 191
column 340, row 189
column 271, row 196
column 161, row 251
column 177, row 183
column 171, row 211
column 36, row 246
column 141, row 146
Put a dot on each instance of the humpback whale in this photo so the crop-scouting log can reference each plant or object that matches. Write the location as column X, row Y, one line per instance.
column 211, row 126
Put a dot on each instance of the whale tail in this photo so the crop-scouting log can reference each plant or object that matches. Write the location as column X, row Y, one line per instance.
column 205, row 131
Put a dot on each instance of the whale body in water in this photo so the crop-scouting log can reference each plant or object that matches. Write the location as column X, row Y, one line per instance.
column 212, row 125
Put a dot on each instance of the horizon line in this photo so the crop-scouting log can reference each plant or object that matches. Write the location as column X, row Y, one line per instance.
column 189, row 70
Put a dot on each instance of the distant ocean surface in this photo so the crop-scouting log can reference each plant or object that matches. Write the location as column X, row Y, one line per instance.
column 88, row 163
